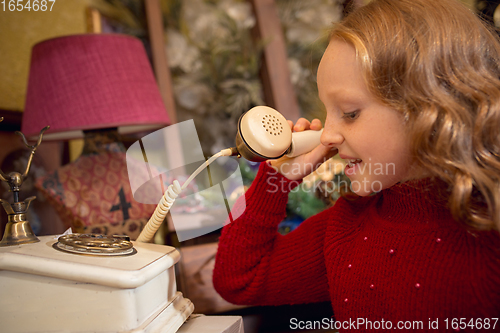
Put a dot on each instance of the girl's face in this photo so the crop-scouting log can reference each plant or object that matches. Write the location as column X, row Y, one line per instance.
column 370, row 136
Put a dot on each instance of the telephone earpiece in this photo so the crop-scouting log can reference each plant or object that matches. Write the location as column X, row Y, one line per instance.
column 264, row 134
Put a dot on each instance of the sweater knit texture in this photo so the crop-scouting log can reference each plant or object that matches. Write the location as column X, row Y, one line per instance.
column 397, row 256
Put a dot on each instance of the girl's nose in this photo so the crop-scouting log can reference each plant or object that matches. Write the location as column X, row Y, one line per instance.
column 331, row 136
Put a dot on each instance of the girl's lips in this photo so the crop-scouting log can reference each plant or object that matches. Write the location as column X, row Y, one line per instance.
column 345, row 157
column 352, row 162
column 351, row 167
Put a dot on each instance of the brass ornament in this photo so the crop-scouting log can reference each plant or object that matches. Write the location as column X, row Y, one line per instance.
column 18, row 230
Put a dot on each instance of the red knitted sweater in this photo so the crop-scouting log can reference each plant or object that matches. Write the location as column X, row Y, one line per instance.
column 396, row 258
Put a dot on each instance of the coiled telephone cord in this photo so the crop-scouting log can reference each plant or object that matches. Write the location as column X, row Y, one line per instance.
column 169, row 197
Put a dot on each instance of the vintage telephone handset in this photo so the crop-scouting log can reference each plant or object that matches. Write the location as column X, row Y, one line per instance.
column 263, row 134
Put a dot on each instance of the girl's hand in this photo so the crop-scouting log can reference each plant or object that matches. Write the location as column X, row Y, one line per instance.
column 298, row 167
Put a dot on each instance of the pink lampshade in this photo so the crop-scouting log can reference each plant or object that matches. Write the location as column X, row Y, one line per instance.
column 91, row 81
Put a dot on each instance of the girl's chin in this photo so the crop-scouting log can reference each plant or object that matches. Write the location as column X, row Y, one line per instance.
column 365, row 187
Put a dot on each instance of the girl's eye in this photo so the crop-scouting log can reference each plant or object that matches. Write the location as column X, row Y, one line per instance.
column 351, row 115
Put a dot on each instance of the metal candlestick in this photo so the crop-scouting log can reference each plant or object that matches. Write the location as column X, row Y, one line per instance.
column 18, row 230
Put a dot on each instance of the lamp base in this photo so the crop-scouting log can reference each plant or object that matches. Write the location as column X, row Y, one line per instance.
column 17, row 233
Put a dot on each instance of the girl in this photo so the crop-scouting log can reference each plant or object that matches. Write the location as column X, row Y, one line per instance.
column 412, row 96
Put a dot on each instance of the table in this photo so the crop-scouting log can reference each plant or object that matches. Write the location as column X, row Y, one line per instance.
column 212, row 324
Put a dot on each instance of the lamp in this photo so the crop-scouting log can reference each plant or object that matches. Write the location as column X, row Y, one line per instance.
column 96, row 87
column 88, row 82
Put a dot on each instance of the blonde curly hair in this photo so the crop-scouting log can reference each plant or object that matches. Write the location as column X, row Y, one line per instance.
column 438, row 63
